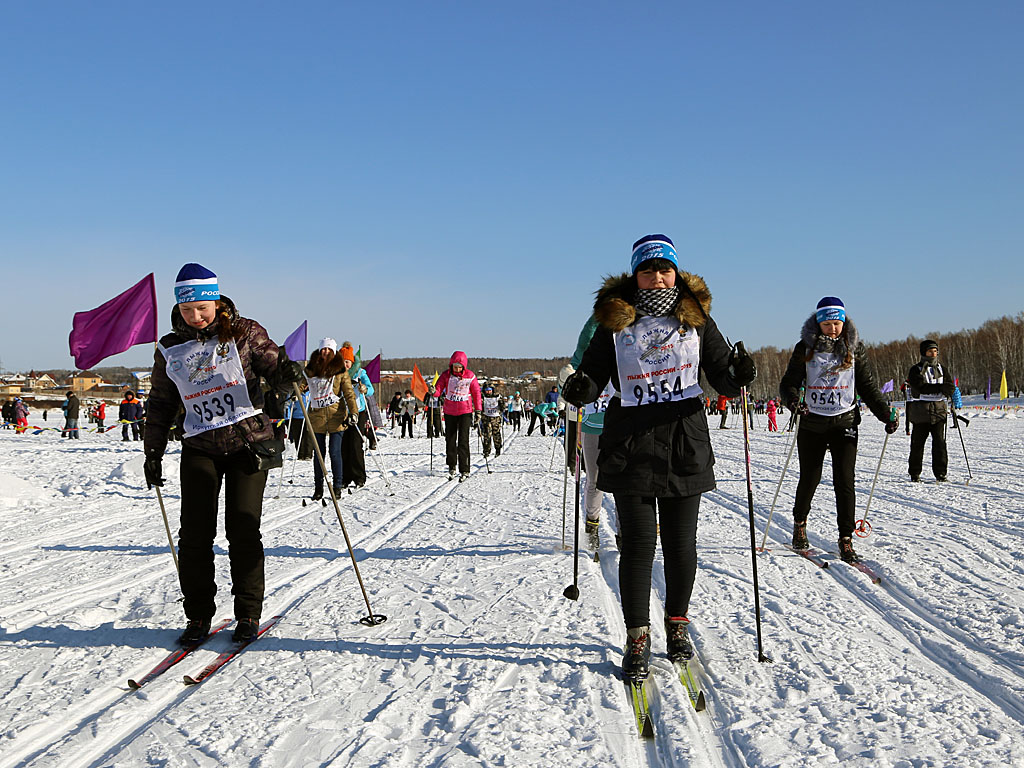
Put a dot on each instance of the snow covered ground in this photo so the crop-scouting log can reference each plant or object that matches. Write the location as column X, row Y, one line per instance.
column 482, row 660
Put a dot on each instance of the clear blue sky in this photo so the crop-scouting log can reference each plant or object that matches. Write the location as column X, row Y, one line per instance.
column 428, row 176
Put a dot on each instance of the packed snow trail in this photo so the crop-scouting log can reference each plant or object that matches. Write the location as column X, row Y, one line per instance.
column 482, row 660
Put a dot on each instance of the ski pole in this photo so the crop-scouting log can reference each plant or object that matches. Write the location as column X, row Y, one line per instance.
column 863, row 527
column 778, row 487
column 565, row 484
column 573, row 590
column 167, row 527
column 371, row 618
column 750, row 508
column 480, row 435
column 956, row 420
column 377, row 461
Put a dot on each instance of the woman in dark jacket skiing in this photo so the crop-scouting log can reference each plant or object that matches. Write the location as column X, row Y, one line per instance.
column 655, row 336
column 212, row 362
column 831, row 362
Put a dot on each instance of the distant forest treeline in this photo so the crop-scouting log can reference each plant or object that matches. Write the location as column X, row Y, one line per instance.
column 971, row 355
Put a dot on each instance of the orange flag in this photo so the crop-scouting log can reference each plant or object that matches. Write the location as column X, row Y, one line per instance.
column 419, row 386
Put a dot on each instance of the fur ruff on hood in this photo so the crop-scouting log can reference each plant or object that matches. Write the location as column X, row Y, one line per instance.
column 319, row 368
column 845, row 345
column 614, row 306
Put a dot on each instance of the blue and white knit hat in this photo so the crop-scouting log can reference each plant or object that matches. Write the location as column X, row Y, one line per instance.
column 652, row 247
column 195, row 283
column 830, row 308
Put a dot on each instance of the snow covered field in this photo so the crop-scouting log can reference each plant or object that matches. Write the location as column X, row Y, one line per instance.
column 482, row 660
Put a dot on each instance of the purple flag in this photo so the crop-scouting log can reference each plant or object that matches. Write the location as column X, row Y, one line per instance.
column 887, row 387
column 295, row 344
column 372, row 369
column 122, row 322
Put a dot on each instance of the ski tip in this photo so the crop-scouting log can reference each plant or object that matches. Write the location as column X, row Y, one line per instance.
column 134, row 685
column 303, row 502
column 189, row 680
column 648, row 728
column 701, row 704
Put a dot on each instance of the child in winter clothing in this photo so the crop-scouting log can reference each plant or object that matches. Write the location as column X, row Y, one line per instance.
column 654, row 336
column 773, row 409
column 490, row 422
column 928, row 387
column 407, row 409
column 462, row 406
column 832, row 360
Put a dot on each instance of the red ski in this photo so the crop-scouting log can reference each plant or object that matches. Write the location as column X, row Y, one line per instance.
column 174, row 657
column 229, row 654
column 811, row 554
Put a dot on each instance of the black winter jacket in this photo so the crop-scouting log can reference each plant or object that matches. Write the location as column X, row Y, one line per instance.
column 662, row 449
column 259, row 356
column 864, row 378
column 927, row 411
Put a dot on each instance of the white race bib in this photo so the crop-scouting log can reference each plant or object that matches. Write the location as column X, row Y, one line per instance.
column 491, row 406
column 458, row 389
column 321, row 392
column 932, row 378
column 211, row 384
column 601, row 404
column 830, row 391
column 658, row 361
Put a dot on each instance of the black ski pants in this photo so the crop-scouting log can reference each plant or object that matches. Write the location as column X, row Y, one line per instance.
column 638, row 521
column 811, row 447
column 516, row 417
column 918, row 438
column 534, row 418
column 353, row 458
column 456, row 440
column 201, row 478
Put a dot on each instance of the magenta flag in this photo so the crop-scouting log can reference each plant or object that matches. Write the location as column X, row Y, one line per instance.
column 295, row 344
column 372, row 369
column 122, row 322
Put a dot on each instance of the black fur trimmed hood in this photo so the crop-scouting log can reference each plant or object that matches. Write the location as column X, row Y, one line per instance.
column 614, row 306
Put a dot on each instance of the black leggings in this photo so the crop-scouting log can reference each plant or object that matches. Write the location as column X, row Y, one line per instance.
column 456, row 438
column 811, row 447
column 638, row 521
column 201, row 478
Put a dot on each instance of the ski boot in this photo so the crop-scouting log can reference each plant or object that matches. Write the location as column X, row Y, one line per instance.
column 195, row 632
column 497, row 451
column 846, row 550
column 800, row 535
column 317, row 494
column 679, row 646
column 636, row 658
column 451, row 473
column 593, row 525
column 464, row 477
column 245, row 630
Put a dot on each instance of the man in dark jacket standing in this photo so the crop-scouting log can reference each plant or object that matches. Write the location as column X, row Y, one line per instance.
column 71, row 418
column 928, row 387
column 129, row 413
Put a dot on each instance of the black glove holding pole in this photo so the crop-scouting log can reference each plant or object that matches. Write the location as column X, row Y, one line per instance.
column 153, row 469
column 741, row 366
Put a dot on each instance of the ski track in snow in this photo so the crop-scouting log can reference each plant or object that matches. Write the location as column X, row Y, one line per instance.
column 482, row 660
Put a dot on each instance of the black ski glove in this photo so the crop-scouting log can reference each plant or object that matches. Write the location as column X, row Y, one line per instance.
column 476, row 419
column 579, row 389
column 288, row 371
column 741, row 366
column 153, row 469
column 797, row 407
column 892, row 425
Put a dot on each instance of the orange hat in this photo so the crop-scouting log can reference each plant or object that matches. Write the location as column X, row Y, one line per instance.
column 347, row 353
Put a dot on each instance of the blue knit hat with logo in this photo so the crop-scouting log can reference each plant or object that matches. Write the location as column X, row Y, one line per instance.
column 830, row 308
column 652, row 247
column 195, row 283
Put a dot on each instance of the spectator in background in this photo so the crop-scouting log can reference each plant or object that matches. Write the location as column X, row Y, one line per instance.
column 129, row 413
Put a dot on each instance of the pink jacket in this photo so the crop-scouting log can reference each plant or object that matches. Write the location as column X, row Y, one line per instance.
column 459, row 398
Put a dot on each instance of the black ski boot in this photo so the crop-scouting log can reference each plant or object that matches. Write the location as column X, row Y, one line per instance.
column 846, row 550
column 245, row 630
column 195, row 632
column 317, row 494
column 593, row 525
column 636, row 659
column 679, row 646
column 800, row 535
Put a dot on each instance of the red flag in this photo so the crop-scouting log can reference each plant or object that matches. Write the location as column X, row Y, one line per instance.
column 123, row 322
column 419, row 386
